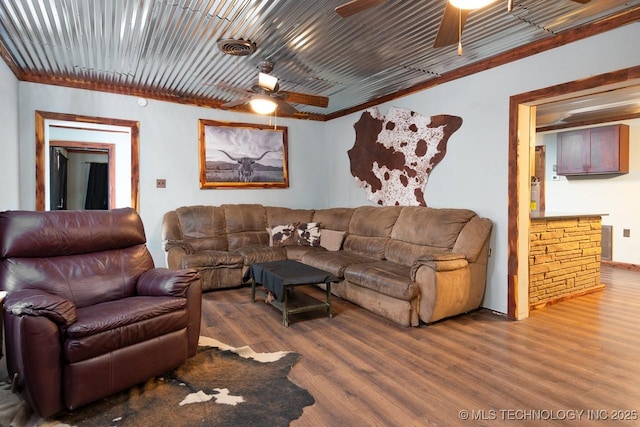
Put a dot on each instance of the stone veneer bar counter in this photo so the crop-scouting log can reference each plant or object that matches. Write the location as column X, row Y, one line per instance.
column 564, row 256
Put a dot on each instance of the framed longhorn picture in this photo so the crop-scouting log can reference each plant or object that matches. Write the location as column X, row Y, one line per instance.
column 242, row 155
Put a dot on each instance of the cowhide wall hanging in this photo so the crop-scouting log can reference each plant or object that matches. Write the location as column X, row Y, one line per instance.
column 392, row 157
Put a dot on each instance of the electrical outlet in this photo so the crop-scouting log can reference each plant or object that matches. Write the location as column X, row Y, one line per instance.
column 626, row 232
column 161, row 183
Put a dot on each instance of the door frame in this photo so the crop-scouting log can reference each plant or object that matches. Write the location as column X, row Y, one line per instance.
column 519, row 157
column 42, row 146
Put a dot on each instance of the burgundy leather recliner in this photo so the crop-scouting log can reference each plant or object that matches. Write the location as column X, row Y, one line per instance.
column 87, row 314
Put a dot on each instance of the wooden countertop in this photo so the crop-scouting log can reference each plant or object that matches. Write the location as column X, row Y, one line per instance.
column 563, row 215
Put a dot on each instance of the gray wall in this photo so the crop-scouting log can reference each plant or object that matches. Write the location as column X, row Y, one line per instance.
column 169, row 150
column 9, row 198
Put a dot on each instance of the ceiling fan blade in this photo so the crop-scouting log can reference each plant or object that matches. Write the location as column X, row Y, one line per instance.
column 303, row 98
column 235, row 103
column 232, row 89
column 448, row 33
column 284, row 107
column 356, row 6
column 582, row 1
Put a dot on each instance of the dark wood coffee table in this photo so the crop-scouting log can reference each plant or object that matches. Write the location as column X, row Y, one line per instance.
column 280, row 277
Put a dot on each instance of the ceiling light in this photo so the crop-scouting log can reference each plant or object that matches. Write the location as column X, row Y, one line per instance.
column 262, row 104
column 268, row 82
column 470, row 4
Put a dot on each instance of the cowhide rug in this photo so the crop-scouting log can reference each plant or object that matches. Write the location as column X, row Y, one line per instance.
column 220, row 386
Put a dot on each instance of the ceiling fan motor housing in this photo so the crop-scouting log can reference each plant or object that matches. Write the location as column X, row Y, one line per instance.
column 265, row 66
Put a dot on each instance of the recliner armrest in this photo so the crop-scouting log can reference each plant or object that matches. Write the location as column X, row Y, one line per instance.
column 34, row 302
column 165, row 282
column 170, row 243
column 183, row 283
column 439, row 262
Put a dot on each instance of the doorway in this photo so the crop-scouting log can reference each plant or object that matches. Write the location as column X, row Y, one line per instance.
column 522, row 125
column 103, row 134
column 80, row 159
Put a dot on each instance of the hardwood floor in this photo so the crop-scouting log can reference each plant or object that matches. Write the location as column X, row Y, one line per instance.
column 575, row 362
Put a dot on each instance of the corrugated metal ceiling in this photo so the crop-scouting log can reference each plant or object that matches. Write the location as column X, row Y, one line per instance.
column 168, row 48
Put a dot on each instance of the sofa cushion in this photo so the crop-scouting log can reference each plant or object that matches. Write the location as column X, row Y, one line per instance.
column 249, row 238
column 251, row 254
column 201, row 221
column 297, row 252
column 334, row 262
column 334, row 218
column 63, row 233
column 245, row 217
column 116, row 324
column 374, row 221
column 372, row 247
column 212, row 259
column 331, row 240
column 74, row 277
column 430, row 227
column 385, row 277
column 215, row 243
column 279, row 215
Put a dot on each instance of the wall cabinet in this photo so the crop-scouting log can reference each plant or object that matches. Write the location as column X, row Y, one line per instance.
column 600, row 150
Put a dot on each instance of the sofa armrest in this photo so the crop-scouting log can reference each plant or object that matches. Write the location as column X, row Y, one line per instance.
column 439, row 262
column 34, row 302
column 165, row 282
column 473, row 238
column 176, row 251
column 445, row 285
column 169, row 244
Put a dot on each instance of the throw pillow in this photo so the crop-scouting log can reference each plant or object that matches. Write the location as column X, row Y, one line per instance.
column 270, row 233
column 283, row 235
column 308, row 234
column 331, row 240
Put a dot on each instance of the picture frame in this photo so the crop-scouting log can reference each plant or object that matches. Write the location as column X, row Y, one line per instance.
column 242, row 155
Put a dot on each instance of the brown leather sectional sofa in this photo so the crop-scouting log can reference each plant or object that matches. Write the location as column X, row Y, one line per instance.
column 408, row 264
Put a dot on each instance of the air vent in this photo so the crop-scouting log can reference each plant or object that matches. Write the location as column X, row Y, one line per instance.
column 236, row 47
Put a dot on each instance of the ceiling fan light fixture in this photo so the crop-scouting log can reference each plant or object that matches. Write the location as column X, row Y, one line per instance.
column 470, row 4
column 267, row 81
column 262, row 104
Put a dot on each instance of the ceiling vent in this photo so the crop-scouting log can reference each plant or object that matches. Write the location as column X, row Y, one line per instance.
column 236, row 47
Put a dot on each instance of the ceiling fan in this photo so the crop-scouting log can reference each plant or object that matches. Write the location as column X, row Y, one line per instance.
column 453, row 18
column 356, row 6
column 265, row 96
